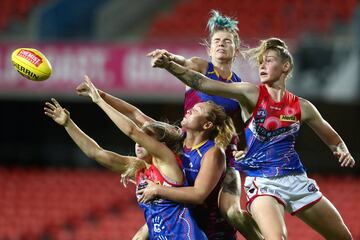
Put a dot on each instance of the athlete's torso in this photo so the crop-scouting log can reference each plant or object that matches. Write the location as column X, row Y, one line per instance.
column 270, row 137
column 231, row 106
column 167, row 219
column 207, row 215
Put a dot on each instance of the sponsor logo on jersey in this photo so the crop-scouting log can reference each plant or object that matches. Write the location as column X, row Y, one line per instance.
column 288, row 118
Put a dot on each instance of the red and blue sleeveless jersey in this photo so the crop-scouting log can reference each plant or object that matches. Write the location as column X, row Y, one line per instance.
column 167, row 219
column 270, row 137
column 207, row 215
column 231, row 106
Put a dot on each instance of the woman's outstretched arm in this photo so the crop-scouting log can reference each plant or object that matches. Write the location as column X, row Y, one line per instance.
column 111, row 160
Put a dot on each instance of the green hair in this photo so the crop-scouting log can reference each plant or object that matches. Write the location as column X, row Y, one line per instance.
column 220, row 22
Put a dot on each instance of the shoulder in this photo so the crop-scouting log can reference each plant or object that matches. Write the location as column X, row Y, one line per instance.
column 214, row 158
column 305, row 104
column 235, row 77
column 198, row 64
column 308, row 110
column 215, row 152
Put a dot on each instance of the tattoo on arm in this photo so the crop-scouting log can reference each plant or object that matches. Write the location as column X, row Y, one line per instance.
column 189, row 77
column 232, row 182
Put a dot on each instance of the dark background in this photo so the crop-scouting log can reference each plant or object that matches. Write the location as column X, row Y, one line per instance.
column 29, row 138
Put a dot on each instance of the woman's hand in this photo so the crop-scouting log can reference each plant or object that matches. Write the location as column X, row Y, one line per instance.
column 160, row 58
column 125, row 179
column 345, row 159
column 239, row 155
column 56, row 112
column 150, row 192
column 87, row 88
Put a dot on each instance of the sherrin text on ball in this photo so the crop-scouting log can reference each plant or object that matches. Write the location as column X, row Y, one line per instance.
column 31, row 64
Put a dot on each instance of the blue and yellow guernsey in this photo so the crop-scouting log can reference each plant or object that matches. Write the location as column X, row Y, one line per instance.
column 207, row 215
column 231, row 106
column 193, row 96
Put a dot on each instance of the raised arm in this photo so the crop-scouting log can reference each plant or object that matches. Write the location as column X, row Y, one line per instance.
column 312, row 117
column 164, row 158
column 212, row 167
column 108, row 159
column 158, row 57
column 135, row 114
column 246, row 93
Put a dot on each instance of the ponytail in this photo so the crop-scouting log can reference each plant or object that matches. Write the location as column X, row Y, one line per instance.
column 224, row 128
column 169, row 134
column 226, row 132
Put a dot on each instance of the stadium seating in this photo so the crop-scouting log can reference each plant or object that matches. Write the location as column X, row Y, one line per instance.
column 9, row 10
column 60, row 204
column 49, row 202
column 257, row 19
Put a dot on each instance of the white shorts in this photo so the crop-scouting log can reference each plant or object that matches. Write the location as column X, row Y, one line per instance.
column 295, row 192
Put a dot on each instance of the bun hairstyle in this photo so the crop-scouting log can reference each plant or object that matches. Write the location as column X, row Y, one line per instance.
column 169, row 134
column 218, row 22
column 256, row 54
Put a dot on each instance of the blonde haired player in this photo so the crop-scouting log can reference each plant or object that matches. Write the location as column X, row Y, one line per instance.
column 157, row 148
column 223, row 46
column 208, row 130
column 276, row 180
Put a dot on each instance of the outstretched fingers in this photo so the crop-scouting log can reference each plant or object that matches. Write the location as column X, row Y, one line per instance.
column 50, row 105
column 49, row 109
column 83, row 88
column 56, row 103
column 48, row 112
column 345, row 159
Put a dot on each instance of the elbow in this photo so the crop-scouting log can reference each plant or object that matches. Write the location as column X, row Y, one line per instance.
column 94, row 153
column 199, row 199
column 129, row 131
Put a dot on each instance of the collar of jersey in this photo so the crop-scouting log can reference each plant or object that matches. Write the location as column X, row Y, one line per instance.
column 198, row 145
column 218, row 75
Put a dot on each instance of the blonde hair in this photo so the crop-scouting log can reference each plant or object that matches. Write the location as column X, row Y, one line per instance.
column 256, row 54
column 169, row 134
column 224, row 128
column 133, row 167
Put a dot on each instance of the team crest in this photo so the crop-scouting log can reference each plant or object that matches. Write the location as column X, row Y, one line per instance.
column 312, row 188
